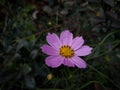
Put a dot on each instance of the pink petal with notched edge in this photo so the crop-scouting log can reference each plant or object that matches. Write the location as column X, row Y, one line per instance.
column 66, row 37
column 67, row 62
column 49, row 50
column 77, row 43
column 78, row 62
column 53, row 40
column 83, row 51
column 54, row 61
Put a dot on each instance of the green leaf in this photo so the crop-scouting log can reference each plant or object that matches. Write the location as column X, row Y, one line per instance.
column 26, row 68
column 29, row 82
column 110, row 2
column 22, row 43
column 9, row 75
column 34, row 53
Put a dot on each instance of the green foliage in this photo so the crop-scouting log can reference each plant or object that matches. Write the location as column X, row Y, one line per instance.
column 24, row 25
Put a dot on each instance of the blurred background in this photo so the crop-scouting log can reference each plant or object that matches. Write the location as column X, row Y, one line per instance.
column 24, row 25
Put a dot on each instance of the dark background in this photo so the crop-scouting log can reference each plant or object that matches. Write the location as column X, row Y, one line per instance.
column 24, row 25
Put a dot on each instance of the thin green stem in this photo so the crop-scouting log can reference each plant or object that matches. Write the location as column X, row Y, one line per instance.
column 99, row 44
column 91, row 67
column 104, row 52
column 88, row 83
column 57, row 18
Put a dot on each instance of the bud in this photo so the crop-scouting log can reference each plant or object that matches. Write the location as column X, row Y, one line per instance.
column 49, row 76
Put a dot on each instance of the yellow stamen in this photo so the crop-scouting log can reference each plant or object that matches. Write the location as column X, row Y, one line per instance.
column 66, row 51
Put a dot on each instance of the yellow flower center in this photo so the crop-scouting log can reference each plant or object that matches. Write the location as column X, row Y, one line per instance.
column 66, row 51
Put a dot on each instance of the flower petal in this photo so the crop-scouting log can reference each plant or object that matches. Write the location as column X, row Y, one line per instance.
column 49, row 50
column 80, row 63
column 54, row 61
column 77, row 43
column 83, row 51
column 53, row 40
column 66, row 37
column 68, row 63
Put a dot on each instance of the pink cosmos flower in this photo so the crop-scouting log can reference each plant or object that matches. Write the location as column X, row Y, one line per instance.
column 65, row 50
